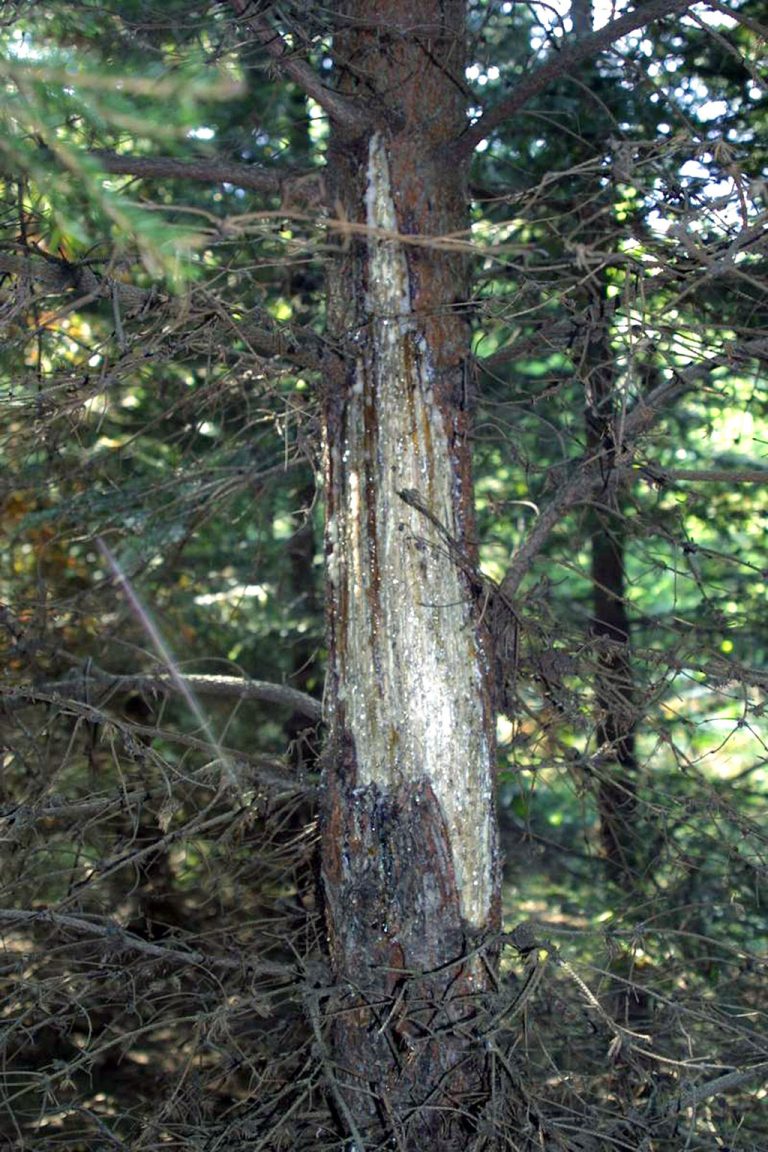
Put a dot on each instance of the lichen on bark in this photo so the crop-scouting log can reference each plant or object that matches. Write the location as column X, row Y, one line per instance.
column 407, row 652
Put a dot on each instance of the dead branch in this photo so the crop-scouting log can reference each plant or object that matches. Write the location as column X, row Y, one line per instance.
column 664, row 476
column 114, row 938
column 563, row 62
column 345, row 113
column 300, row 346
column 96, row 687
column 588, row 473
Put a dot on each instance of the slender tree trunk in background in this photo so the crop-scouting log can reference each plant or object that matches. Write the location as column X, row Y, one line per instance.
column 409, row 853
column 305, row 596
column 614, row 684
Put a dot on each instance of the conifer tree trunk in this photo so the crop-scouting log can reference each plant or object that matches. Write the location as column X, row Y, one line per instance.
column 409, row 854
column 614, row 681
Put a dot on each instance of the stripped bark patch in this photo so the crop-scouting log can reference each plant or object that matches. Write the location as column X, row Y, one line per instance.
column 407, row 654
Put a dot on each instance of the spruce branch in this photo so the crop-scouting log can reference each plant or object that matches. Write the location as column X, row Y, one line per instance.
column 202, row 169
column 561, row 64
column 296, row 187
column 96, row 685
column 345, row 113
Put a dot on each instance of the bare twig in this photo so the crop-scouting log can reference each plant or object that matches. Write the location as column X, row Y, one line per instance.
column 345, row 113
column 114, row 938
column 299, row 346
column 563, row 62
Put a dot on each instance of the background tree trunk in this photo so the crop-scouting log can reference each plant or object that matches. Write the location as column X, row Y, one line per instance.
column 615, row 703
column 410, row 863
column 614, row 682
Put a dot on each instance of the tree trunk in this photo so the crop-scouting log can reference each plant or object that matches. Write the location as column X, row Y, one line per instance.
column 614, row 681
column 409, row 855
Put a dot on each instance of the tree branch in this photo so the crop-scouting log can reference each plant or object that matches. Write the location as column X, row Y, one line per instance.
column 343, row 112
column 60, row 277
column 664, row 476
column 698, row 1093
column 271, row 776
column 96, row 686
column 295, row 186
column 300, row 346
column 760, row 30
column 588, row 474
column 563, row 62
column 115, row 939
column 550, row 336
column 206, row 171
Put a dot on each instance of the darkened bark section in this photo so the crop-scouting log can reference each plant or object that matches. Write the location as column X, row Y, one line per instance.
column 408, row 1062
column 410, row 869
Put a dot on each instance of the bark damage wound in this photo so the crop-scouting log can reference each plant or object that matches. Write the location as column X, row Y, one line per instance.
column 407, row 647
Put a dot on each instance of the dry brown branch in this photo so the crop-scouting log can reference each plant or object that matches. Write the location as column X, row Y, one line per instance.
column 112, row 937
column 97, row 687
column 586, row 474
column 721, row 1084
column 299, row 346
column 265, row 772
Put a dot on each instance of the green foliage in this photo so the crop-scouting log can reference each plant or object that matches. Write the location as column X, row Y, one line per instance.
column 54, row 110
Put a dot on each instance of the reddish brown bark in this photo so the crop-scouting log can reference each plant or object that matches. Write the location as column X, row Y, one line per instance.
column 410, row 867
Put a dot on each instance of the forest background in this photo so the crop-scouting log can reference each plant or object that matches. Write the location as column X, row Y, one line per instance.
column 169, row 231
